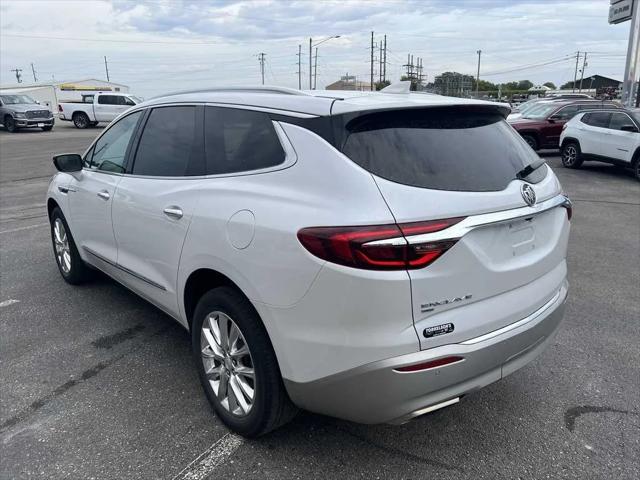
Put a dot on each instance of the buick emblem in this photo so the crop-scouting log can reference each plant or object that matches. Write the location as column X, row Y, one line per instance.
column 529, row 194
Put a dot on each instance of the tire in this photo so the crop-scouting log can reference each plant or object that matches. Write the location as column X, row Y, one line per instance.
column 636, row 167
column 10, row 124
column 571, row 155
column 531, row 140
column 270, row 406
column 70, row 264
column 47, row 129
column 81, row 120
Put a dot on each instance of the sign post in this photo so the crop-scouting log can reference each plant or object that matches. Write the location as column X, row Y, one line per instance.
column 621, row 11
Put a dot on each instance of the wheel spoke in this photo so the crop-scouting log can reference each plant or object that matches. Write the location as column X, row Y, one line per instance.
column 212, row 346
column 246, row 388
column 241, row 352
column 238, row 394
column 245, row 372
column 223, row 325
column 223, row 387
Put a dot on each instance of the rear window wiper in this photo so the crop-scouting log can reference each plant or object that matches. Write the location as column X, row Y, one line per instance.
column 529, row 169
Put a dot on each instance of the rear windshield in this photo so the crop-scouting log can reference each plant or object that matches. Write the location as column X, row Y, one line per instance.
column 439, row 148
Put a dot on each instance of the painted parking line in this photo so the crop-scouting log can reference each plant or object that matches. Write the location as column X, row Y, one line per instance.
column 6, row 303
column 24, row 228
column 211, row 458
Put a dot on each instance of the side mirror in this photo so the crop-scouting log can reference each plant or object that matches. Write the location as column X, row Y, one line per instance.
column 554, row 118
column 629, row 128
column 68, row 162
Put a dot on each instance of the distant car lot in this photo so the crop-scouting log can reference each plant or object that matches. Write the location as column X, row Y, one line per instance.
column 97, row 383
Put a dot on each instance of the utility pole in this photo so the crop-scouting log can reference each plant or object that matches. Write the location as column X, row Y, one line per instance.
column 575, row 75
column 261, row 58
column 18, row 75
column 584, row 65
column 299, row 67
column 380, row 68
column 384, row 65
column 33, row 70
column 106, row 67
column 478, row 75
column 310, row 59
column 315, row 70
column 372, row 62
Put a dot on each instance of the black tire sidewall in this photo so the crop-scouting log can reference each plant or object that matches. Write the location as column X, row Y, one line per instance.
column 533, row 144
column 238, row 308
column 78, row 116
column 10, row 124
column 578, row 161
column 79, row 271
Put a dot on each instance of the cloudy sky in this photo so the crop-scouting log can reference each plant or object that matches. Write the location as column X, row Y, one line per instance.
column 155, row 46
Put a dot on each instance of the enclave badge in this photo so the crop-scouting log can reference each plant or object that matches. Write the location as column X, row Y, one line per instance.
column 529, row 194
column 438, row 330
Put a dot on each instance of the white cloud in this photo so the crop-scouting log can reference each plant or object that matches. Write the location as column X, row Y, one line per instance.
column 155, row 46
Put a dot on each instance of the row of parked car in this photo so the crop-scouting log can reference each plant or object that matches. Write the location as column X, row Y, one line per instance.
column 583, row 129
column 19, row 111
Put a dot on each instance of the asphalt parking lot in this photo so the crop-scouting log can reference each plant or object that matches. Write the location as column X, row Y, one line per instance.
column 97, row 383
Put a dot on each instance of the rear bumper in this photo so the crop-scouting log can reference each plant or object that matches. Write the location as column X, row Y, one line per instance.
column 377, row 393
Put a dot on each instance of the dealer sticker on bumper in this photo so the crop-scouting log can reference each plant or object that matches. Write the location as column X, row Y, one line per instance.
column 41, row 124
column 438, row 330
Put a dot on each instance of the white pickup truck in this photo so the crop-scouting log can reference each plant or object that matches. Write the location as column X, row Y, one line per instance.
column 96, row 108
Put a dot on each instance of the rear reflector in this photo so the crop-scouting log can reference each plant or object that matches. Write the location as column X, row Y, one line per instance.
column 428, row 365
column 366, row 248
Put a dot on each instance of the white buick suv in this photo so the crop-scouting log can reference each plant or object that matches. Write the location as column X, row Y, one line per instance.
column 369, row 256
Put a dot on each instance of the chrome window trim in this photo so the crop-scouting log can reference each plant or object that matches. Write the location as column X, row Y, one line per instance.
column 476, row 221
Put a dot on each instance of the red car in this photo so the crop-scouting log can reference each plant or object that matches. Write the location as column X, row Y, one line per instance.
column 542, row 125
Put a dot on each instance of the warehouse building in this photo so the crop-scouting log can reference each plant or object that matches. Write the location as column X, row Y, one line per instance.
column 50, row 94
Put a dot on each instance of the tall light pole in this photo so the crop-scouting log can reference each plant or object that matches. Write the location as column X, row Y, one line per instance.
column 311, row 45
column 478, row 76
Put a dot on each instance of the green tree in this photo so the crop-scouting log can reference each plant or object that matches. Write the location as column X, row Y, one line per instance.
column 385, row 83
column 550, row 85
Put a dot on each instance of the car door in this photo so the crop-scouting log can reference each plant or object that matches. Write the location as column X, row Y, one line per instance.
column 155, row 200
column 124, row 104
column 618, row 141
column 593, row 132
column 107, row 108
column 552, row 131
column 91, row 191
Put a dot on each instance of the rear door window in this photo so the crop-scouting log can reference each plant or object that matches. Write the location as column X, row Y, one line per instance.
column 108, row 100
column 597, row 119
column 240, row 141
column 439, row 148
column 619, row 120
column 170, row 145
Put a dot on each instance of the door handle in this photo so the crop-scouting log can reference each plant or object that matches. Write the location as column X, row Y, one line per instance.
column 173, row 212
column 104, row 194
column 64, row 189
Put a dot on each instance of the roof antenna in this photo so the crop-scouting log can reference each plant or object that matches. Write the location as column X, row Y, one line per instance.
column 398, row 87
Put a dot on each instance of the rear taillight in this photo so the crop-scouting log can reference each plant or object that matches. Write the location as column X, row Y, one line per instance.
column 378, row 247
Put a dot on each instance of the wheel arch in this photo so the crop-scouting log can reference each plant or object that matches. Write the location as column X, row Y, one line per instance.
column 569, row 139
column 636, row 157
column 51, row 205
column 198, row 283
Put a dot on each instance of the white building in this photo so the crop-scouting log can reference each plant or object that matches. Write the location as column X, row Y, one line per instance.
column 50, row 94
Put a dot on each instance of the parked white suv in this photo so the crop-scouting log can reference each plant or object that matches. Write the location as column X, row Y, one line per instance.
column 611, row 136
column 370, row 256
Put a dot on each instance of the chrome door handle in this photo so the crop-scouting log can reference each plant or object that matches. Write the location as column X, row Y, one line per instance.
column 104, row 194
column 173, row 212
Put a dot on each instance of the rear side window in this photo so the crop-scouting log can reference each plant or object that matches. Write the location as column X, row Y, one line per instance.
column 619, row 120
column 439, row 148
column 108, row 100
column 168, row 146
column 597, row 119
column 240, row 141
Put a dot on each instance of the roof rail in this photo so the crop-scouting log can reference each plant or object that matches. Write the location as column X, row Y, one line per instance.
column 256, row 89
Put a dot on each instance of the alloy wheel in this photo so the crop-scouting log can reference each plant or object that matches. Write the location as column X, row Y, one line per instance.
column 61, row 244
column 227, row 363
column 569, row 155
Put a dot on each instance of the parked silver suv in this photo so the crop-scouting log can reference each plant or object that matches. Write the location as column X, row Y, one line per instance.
column 21, row 111
column 369, row 256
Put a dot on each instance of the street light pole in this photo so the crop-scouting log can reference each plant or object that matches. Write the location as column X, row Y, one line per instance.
column 632, row 67
column 310, row 53
column 478, row 75
column 311, row 45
